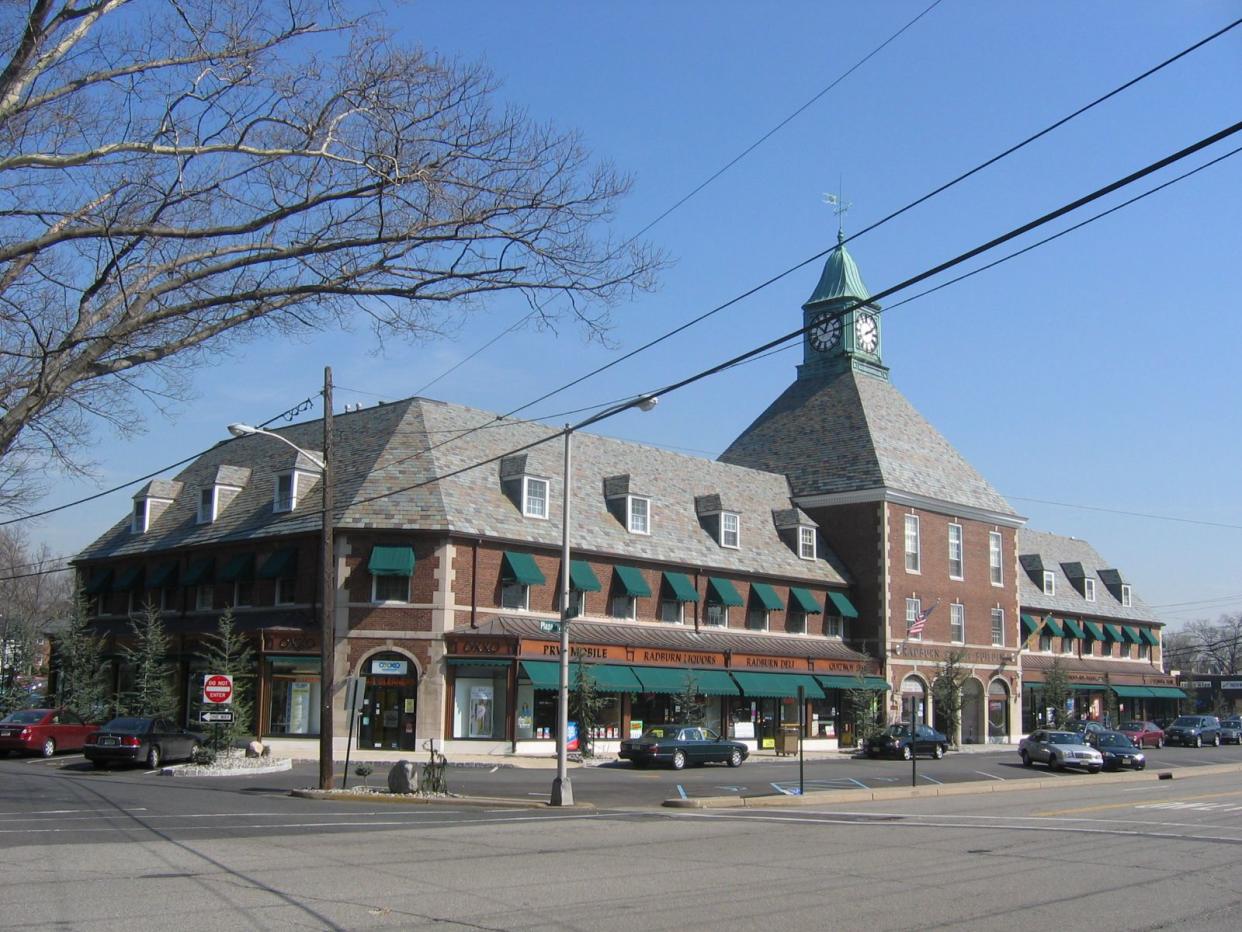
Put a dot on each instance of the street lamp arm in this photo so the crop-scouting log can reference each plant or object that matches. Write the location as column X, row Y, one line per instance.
column 245, row 430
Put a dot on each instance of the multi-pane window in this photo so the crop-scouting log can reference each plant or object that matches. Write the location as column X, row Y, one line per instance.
column 957, row 622
column 639, row 515
column 833, row 626
column 955, row 551
column 622, row 606
column 912, row 543
column 717, row 615
column 1088, row 589
column 730, row 530
column 998, row 627
column 207, row 505
column 1067, row 645
column 1045, row 642
column 243, row 592
column 995, row 568
column 913, row 606
column 757, row 617
column 534, row 497
column 513, row 595
column 806, row 543
column 286, row 590
column 795, row 621
column 140, row 516
column 671, row 611
column 397, row 589
column 286, row 492
column 1125, row 595
column 1050, row 583
column 204, row 598
column 1144, row 652
column 577, row 603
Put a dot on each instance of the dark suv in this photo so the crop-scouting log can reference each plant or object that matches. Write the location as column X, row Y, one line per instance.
column 1194, row 731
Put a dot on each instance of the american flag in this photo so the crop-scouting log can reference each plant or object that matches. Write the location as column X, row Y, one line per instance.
column 916, row 626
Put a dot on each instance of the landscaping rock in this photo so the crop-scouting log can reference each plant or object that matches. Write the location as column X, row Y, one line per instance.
column 402, row 778
column 256, row 749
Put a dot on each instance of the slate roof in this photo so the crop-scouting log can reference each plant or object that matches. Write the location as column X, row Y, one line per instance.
column 1057, row 554
column 1114, row 668
column 851, row 432
column 394, row 446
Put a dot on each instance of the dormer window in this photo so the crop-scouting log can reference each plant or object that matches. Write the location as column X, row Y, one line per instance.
column 286, row 498
column 730, row 530
column 806, row 543
column 139, row 525
column 638, row 514
column 1088, row 589
column 207, row 505
column 1050, row 583
column 1125, row 595
column 535, row 497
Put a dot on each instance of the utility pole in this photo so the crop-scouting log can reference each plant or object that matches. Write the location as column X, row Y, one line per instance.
column 327, row 597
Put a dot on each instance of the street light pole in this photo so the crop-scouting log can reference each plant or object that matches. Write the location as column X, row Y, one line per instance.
column 562, row 789
column 327, row 630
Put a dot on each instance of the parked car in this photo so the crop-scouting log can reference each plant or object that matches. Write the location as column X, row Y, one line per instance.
column 42, row 731
column 1118, row 751
column 131, row 740
column 895, row 741
column 1085, row 728
column 1231, row 731
column 1059, row 749
column 679, row 745
column 1143, row 734
column 1194, row 731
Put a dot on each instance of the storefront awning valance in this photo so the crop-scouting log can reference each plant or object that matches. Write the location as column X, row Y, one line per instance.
column 1149, row 636
column 1114, row 632
column 164, row 576
column 1030, row 625
column 1074, row 629
column 682, row 588
column 609, row 677
column 1132, row 634
column 1132, row 692
column 544, row 674
column 479, row 662
column 1087, row 687
column 98, row 582
column 767, row 595
column 780, row 685
column 805, row 601
column 521, row 568
column 845, row 608
column 1094, row 630
column 282, row 564
column 1166, row 692
column 674, row 679
column 723, row 591
column 240, row 566
column 392, row 561
column 199, row 572
column 582, row 578
column 837, row 681
column 1053, row 627
column 129, row 580
column 632, row 582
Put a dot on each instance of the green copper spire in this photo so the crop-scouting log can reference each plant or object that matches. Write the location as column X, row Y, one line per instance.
column 840, row 278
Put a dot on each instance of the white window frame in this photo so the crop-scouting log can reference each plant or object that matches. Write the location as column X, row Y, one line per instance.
column 996, row 565
column 167, row 597
column 754, row 611
column 1144, row 651
column 387, row 600
column 960, row 559
column 998, row 627
column 957, row 623
column 510, row 587
column 1127, row 598
column 286, row 591
column 577, row 603
column 914, row 562
column 731, row 537
column 237, row 593
column 806, row 542
column 913, row 607
column 722, row 612
column 140, row 520
column 631, row 604
column 1045, row 643
column 633, row 522
column 1067, row 645
column 209, row 515
column 834, row 626
column 280, row 504
column 530, row 508
column 205, row 598
column 1050, row 583
column 1088, row 589
column 793, row 616
column 680, row 612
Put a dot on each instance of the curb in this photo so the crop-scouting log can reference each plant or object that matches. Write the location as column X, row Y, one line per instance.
column 947, row 789
column 488, row 802
column 181, row 770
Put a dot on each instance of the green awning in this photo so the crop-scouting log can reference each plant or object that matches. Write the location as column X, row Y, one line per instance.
column 1132, row 692
column 683, row 589
column 673, row 680
column 582, row 578
column 838, row 681
column 98, row 582
column 1087, row 687
column 240, row 566
column 782, row 685
column 1167, row 692
column 1149, row 636
column 164, row 576
column 1074, row 628
column 632, row 581
column 478, row 662
column 282, row 564
column 806, row 601
column 394, row 561
column 722, row 591
column 1132, row 634
column 845, row 608
column 1094, row 630
column 1114, row 632
column 609, row 677
column 767, row 595
column 544, row 674
column 713, row 683
column 129, row 580
column 520, row 568
column 1030, row 624
column 876, row 682
column 1052, row 626
column 198, row 572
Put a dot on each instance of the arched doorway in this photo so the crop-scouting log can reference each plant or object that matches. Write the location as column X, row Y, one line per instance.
column 998, row 712
column 914, row 699
column 972, row 712
column 389, row 703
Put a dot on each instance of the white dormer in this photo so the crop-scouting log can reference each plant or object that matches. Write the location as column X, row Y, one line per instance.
column 634, row 511
column 724, row 524
column 798, row 531
column 151, row 502
column 223, row 487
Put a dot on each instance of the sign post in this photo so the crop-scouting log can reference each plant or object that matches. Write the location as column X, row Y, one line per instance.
column 355, row 689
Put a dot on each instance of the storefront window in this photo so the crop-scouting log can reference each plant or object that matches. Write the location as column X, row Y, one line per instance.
column 479, row 703
column 294, row 705
column 998, row 711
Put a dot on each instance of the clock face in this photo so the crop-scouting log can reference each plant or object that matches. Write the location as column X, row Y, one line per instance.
column 825, row 332
column 867, row 333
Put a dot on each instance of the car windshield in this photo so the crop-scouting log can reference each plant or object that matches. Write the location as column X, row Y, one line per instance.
column 1114, row 741
column 1232, row 723
column 1187, row 721
column 657, row 732
column 1134, row 726
column 128, row 726
column 25, row 717
column 898, row 731
column 1065, row 737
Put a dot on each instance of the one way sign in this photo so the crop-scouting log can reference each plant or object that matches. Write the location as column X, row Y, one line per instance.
column 218, row 717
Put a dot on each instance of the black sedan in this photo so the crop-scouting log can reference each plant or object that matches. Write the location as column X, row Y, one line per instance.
column 679, row 745
column 895, row 741
column 132, row 740
column 1118, row 751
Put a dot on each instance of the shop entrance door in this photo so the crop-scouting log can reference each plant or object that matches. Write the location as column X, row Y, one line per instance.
column 388, row 706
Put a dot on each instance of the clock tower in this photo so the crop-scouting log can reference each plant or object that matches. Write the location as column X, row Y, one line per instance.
column 841, row 336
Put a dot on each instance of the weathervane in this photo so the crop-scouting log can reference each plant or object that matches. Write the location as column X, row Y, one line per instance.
column 839, row 207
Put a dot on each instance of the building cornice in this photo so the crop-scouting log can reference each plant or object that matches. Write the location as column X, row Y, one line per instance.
column 911, row 500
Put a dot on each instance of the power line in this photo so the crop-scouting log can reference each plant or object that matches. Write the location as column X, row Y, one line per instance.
column 1131, row 514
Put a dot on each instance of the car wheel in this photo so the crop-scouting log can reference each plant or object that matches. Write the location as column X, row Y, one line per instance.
column 194, row 746
column 907, row 752
column 1216, row 741
column 679, row 760
column 735, row 758
column 1026, row 759
column 1159, row 743
column 1053, row 763
column 1198, row 741
column 49, row 748
column 1142, row 766
column 153, row 758
column 938, row 753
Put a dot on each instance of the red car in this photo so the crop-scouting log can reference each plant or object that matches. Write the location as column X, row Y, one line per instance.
column 43, row 731
column 1144, row 734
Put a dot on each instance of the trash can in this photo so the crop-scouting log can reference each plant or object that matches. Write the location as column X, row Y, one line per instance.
column 787, row 740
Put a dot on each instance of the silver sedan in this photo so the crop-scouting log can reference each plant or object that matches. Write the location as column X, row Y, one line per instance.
column 1059, row 749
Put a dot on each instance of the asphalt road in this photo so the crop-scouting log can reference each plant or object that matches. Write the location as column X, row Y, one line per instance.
column 126, row 850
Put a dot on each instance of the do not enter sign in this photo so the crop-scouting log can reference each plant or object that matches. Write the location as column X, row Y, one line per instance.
column 217, row 688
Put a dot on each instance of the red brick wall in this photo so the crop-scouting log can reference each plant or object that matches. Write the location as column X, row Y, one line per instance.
column 416, row 616
column 852, row 532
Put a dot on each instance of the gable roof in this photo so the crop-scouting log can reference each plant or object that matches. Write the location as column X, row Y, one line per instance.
column 1056, row 553
column 850, row 432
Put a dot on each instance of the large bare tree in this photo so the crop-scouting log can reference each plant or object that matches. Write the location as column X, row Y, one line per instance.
column 1208, row 647
column 34, row 600
column 177, row 172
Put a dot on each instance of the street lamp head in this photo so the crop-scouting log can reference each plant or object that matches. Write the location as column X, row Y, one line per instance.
column 242, row 430
column 648, row 403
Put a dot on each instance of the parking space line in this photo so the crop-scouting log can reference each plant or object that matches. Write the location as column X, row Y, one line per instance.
column 860, row 784
column 984, row 773
column 932, row 779
column 682, row 790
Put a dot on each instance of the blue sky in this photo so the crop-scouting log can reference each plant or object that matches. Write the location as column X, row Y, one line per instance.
column 1098, row 370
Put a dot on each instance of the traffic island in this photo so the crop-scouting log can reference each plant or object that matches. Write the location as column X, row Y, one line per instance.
column 376, row 795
